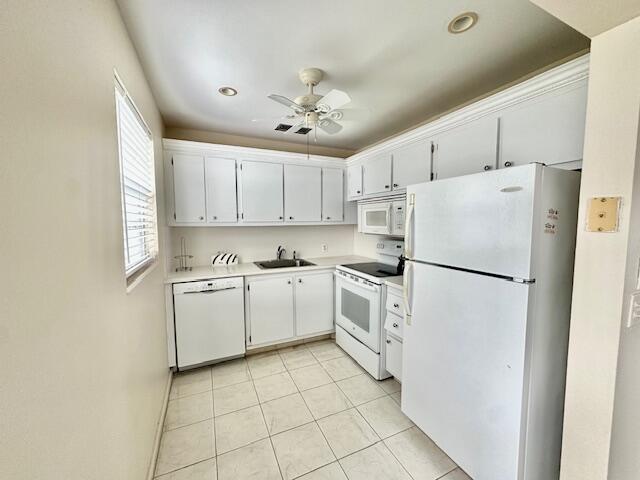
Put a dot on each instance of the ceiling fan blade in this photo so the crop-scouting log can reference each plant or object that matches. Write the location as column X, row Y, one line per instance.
column 332, row 100
column 329, row 126
column 286, row 102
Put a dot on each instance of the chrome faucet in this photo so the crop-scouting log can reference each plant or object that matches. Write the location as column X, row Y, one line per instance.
column 280, row 252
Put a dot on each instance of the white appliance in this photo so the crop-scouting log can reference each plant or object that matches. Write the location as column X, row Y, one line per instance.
column 487, row 300
column 209, row 321
column 360, row 293
column 382, row 217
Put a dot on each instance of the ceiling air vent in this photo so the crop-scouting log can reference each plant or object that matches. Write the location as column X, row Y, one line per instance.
column 303, row 130
column 283, row 127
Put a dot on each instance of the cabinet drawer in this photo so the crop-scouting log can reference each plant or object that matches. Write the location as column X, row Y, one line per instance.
column 394, row 304
column 393, row 324
column 394, row 357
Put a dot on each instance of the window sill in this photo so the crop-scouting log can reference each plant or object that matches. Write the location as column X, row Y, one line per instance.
column 134, row 280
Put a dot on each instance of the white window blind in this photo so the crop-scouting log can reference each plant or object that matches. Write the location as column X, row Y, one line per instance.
column 138, row 185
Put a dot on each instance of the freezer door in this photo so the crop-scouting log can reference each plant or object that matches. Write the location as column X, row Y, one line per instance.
column 482, row 222
column 464, row 367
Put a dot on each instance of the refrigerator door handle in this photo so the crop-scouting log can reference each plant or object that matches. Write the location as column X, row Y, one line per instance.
column 407, row 291
column 408, row 227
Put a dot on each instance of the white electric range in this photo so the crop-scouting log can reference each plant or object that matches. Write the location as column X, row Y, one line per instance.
column 360, row 297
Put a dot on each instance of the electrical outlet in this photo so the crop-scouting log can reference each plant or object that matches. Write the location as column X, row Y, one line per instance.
column 324, row 247
column 634, row 310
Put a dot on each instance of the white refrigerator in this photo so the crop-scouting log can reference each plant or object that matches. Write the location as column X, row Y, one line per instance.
column 488, row 284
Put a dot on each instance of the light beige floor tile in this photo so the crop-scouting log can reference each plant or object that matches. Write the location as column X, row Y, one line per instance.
column 419, row 455
column 293, row 348
column 457, row 474
column 200, row 471
column 188, row 383
column 361, row 389
column 286, row 413
column 298, row 358
column 390, row 385
column 333, row 471
column 301, row 450
column 230, row 373
column 310, row 377
column 324, row 351
column 341, row 368
column 347, row 432
column 184, row 446
column 253, row 462
column 266, row 365
column 187, row 410
column 274, row 386
column 326, row 400
column 397, row 397
column 373, row 463
column 234, row 397
column 385, row 417
column 240, row 428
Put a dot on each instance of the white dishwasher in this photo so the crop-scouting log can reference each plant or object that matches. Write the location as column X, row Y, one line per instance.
column 209, row 320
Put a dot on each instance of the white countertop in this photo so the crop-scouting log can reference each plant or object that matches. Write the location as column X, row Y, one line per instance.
column 248, row 269
column 394, row 282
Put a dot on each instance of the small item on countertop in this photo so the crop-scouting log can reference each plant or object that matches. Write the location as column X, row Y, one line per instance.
column 224, row 259
column 184, row 257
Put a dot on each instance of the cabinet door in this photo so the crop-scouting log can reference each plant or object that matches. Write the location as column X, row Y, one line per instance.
column 270, row 309
column 354, row 181
column 394, row 357
column 220, row 180
column 549, row 130
column 411, row 164
column 262, row 192
column 377, row 174
column 468, row 149
column 332, row 195
column 302, row 193
column 314, row 303
column 188, row 188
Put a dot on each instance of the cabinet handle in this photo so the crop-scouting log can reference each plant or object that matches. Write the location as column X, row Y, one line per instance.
column 396, row 305
column 508, row 164
column 299, row 280
column 487, row 168
column 395, row 185
column 215, row 218
column 395, row 325
column 358, row 191
column 201, row 218
column 290, row 218
column 279, row 218
column 389, row 341
column 328, row 218
column 288, row 282
column 386, row 186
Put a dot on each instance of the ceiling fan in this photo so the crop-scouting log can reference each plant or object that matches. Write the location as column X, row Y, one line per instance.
column 313, row 111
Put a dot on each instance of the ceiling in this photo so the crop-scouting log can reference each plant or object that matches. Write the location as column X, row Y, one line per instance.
column 396, row 59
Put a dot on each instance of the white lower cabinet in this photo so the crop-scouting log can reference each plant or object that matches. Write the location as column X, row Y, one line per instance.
column 394, row 356
column 270, row 307
column 285, row 307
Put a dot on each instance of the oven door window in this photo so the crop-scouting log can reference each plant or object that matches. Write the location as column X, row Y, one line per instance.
column 356, row 308
column 376, row 218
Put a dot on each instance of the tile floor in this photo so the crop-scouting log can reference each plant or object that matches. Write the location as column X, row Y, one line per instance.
column 307, row 412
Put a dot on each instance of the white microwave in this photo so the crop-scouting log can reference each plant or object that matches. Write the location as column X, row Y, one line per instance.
column 382, row 218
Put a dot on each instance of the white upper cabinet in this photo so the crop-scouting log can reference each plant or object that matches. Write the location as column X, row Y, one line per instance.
column 377, row 174
column 470, row 148
column 548, row 130
column 354, row 182
column 270, row 301
column 188, row 188
column 262, row 192
column 302, row 193
column 411, row 164
column 314, row 303
column 332, row 194
column 220, row 183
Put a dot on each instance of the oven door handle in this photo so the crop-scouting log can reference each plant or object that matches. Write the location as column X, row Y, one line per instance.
column 372, row 288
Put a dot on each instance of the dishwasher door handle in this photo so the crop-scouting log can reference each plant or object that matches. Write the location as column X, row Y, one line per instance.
column 208, row 292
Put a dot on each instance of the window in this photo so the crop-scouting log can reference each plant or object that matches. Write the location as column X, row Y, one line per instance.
column 137, row 180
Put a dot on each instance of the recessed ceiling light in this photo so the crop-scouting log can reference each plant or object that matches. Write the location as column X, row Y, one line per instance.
column 463, row 22
column 228, row 91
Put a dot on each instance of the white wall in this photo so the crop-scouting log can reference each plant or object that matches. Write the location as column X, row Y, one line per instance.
column 84, row 363
column 602, row 274
column 260, row 243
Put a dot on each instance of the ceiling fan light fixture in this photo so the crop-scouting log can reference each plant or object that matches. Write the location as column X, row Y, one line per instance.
column 228, row 91
column 463, row 22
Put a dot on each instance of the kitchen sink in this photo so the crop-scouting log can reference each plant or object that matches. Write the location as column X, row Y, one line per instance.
column 283, row 263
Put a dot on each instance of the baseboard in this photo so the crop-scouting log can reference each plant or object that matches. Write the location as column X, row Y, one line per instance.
column 159, row 426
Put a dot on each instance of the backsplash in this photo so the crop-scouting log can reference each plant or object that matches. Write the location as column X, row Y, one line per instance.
column 260, row 243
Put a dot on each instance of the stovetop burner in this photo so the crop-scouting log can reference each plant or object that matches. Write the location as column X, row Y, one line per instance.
column 375, row 269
